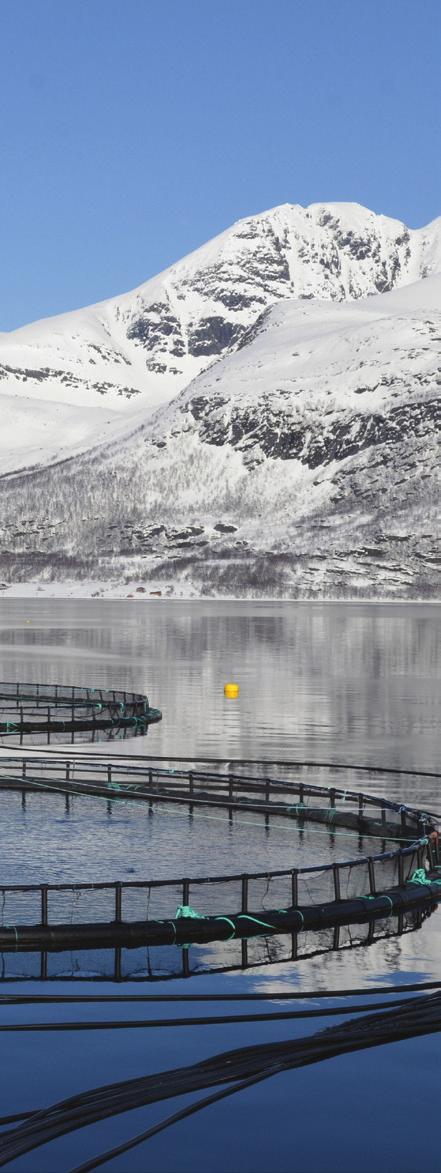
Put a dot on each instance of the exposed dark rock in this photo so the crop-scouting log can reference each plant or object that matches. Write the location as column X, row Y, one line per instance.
column 212, row 336
column 157, row 328
column 288, row 436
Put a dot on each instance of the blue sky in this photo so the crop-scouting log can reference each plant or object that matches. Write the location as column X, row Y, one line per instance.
column 132, row 131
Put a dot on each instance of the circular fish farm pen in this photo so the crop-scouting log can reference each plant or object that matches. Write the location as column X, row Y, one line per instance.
column 47, row 713
column 334, row 867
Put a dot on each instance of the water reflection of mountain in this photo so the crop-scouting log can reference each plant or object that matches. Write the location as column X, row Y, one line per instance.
column 360, row 681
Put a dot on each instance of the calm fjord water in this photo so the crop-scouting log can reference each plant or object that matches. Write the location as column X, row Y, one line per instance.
column 356, row 683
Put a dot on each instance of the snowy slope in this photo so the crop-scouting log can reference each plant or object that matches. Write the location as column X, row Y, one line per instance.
column 304, row 463
column 37, row 432
column 141, row 349
column 313, row 377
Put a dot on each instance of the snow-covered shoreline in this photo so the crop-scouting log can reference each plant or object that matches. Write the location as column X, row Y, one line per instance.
column 117, row 592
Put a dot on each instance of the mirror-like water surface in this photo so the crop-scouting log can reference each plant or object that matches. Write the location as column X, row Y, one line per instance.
column 355, row 683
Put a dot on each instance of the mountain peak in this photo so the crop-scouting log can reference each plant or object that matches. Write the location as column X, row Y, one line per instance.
column 141, row 349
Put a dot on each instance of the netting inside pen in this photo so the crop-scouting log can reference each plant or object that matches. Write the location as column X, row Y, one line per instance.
column 138, row 901
column 46, row 713
column 393, row 842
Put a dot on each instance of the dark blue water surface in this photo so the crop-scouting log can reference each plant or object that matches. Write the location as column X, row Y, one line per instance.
column 353, row 683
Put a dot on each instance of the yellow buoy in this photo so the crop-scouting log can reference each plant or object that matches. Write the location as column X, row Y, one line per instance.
column 231, row 690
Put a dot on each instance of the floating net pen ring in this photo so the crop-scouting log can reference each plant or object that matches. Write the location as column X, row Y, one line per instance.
column 404, row 879
column 44, row 713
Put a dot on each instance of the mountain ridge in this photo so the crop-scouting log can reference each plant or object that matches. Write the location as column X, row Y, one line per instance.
column 305, row 463
column 147, row 344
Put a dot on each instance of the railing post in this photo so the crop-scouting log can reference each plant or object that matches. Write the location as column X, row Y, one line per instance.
column 371, row 870
column 117, row 968
column 336, row 874
column 360, row 806
column 430, row 852
column 244, row 893
column 294, row 888
column 185, row 891
column 44, row 919
column 118, row 901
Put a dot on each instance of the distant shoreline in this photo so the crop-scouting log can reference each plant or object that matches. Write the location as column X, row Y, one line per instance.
column 103, row 593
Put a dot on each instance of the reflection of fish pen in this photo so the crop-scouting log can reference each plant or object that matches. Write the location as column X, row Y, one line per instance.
column 160, row 963
column 401, row 879
column 53, row 712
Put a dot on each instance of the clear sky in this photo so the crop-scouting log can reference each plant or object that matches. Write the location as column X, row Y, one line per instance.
column 132, row 131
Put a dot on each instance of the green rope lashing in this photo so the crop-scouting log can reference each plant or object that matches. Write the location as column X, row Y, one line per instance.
column 187, row 910
column 255, row 920
column 281, row 911
column 297, row 810
column 420, row 877
column 173, row 927
column 229, row 922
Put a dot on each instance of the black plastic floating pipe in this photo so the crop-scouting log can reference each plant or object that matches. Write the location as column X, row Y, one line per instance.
column 283, row 762
column 263, row 996
column 197, row 1020
column 419, row 1016
column 199, row 930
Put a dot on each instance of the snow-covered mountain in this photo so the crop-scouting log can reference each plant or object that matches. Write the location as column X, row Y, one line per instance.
column 303, row 463
column 138, row 351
